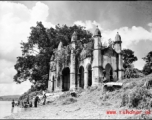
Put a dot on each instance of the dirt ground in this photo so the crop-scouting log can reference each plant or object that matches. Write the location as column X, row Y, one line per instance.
column 71, row 111
column 89, row 104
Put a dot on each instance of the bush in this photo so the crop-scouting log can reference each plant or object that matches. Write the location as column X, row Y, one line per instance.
column 80, row 90
column 104, row 96
column 92, row 88
column 130, row 85
column 125, row 100
column 148, row 84
column 139, row 98
column 69, row 101
column 132, row 73
column 65, row 95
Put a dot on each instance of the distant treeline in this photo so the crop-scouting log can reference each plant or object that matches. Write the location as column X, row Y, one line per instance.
column 9, row 98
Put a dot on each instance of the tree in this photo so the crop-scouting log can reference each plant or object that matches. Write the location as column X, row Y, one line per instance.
column 147, row 69
column 34, row 65
column 128, row 58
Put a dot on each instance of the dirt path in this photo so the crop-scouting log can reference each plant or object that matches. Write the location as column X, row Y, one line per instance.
column 75, row 110
column 89, row 104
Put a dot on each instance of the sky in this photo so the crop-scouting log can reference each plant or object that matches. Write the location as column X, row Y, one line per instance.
column 132, row 19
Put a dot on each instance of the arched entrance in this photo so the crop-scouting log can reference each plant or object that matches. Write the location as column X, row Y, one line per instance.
column 53, row 80
column 108, row 72
column 66, row 79
column 81, row 77
column 89, row 75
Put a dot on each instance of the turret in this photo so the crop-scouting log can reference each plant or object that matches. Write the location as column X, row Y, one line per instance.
column 117, row 43
column 60, row 45
column 97, row 32
column 117, row 47
column 73, row 62
column 97, row 38
column 58, row 72
column 52, row 81
column 74, row 36
column 97, row 72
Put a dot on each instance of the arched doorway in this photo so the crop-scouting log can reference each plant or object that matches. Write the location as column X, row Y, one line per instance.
column 53, row 80
column 81, row 77
column 66, row 79
column 108, row 72
column 89, row 75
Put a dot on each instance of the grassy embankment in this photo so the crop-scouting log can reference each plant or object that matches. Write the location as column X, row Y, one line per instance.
column 94, row 102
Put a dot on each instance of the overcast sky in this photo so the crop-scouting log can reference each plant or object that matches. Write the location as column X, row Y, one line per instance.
column 133, row 21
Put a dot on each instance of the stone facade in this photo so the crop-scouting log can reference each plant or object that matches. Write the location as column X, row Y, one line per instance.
column 105, row 65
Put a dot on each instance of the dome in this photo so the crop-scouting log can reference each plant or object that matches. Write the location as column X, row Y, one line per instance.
column 118, row 37
column 97, row 32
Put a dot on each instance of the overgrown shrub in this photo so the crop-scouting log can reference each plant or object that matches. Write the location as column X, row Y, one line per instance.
column 80, row 90
column 139, row 98
column 92, row 88
column 104, row 96
column 125, row 100
column 132, row 73
column 130, row 85
column 69, row 101
column 65, row 95
column 148, row 84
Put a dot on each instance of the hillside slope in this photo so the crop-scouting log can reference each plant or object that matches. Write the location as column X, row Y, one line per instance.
column 131, row 101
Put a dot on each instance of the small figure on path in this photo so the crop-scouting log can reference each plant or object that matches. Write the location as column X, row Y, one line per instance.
column 30, row 104
column 28, row 100
column 36, row 100
column 13, row 104
column 44, row 97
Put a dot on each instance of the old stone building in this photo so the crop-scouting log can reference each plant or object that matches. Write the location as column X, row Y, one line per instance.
column 103, row 65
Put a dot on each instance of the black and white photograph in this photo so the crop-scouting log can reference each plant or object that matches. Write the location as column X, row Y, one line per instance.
column 75, row 59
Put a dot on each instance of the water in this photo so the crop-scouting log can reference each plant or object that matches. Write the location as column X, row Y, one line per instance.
column 6, row 109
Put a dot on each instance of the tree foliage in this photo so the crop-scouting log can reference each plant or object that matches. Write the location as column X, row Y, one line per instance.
column 34, row 65
column 147, row 69
column 128, row 58
column 132, row 73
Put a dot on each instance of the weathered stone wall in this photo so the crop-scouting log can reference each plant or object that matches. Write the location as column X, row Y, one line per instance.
column 85, row 64
column 102, row 57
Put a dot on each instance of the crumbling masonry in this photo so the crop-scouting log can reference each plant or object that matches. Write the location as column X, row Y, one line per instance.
column 104, row 66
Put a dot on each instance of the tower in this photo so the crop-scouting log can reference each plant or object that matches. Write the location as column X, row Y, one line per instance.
column 97, row 68
column 52, row 80
column 58, row 71
column 73, row 62
column 117, row 47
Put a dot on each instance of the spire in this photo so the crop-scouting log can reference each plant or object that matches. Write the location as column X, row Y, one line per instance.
column 97, row 32
column 74, row 36
column 52, row 57
column 75, row 33
column 117, row 37
column 60, row 45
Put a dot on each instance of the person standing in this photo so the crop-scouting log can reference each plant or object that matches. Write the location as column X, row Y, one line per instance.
column 28, row 100
column 13, row 104
column 36, row 100
column 44, row 98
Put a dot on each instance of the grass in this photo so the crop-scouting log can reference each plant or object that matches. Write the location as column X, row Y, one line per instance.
column 135, row 93
column 69, row 100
